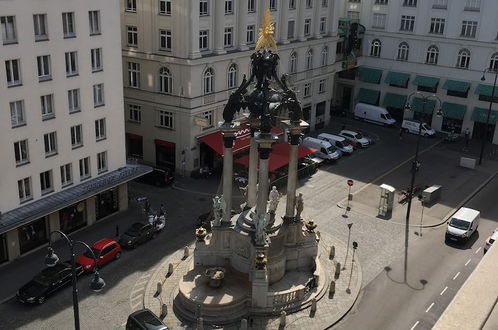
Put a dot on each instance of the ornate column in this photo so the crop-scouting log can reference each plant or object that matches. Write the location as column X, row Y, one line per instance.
column 194, row 29
column 241, row 8
column 284, row 22
column 253, row 170
column 317, row 17
column 265, row 141
column 228, row 130
column 219, row 26
column 300, row 20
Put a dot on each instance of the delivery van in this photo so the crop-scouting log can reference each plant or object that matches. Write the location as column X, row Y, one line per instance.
column 337, row 141
column 462, row 224
column 411, row 126
column 373, row 114
column 324, row 150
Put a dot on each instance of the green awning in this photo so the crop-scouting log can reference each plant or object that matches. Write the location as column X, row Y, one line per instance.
column 393, row 100
column 369, row 96
column 370, row 75
column 456, row 85
column 418, row 105
column 486, row 90
column 453, row 110
column 397, row 78
column 425, row 81
column 481, row 114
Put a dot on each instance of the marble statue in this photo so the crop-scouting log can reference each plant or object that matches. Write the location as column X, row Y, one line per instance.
column 260, row 223
column 223, row 206
column 299, row 206
column 217, row 210
column 273, row 199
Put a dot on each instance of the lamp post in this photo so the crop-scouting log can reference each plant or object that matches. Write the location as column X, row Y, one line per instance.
column 96, row 284
column 414, row 168
column 485, row 135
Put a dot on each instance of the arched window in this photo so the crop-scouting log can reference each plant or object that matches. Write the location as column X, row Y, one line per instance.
column 325, row 56
column 208, row 80
column 403, row 49
column 165, row 81
column 309, row 59
column 493, row 63
column 375, row 48
column 463, row 59
column 232, row 76
column 432, row 55
column 293, row 63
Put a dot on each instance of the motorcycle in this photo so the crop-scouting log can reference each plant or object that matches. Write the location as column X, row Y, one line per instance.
column 158, row 222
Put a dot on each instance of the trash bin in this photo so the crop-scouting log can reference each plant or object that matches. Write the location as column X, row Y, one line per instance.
column 431, row 194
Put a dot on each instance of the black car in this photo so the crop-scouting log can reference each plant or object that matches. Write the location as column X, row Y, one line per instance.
column 159, row 177
column 47, row 282
column 144, row 319
column 137, row 234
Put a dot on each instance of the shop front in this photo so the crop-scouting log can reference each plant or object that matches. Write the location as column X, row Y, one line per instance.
column 134, row 146
column 33, row 234
column 453, row 115
column 320, row 115
column 423, row 109
column 395, row 105
column 4, row 256
column 165, row 154
column 106, row 203
column 73, row 217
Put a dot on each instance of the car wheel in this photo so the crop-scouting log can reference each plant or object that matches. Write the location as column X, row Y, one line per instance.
column 41, row 300
column 117, row 256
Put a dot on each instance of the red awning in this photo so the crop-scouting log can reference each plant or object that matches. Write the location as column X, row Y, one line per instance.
column 279, row 156
column 134, row 136
column 242, row 139
column 163, row 143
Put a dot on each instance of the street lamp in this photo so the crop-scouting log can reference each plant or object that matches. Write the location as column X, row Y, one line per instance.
column 415, row 166
column 485, row 135
column 97, row 283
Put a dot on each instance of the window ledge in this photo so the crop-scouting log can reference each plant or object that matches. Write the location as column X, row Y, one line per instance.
column 100, row 139
column 134, row 122
column 77, row 146
column 64, row 185
column 99, row 105
column 439, row 7
column 97, row 70
column 39, row 39
column 75, row 111
column 476, row 9
column 10, row 42
column 95, row 33
column 18, row 125
column 14, row 85
column 70, row 36
column 164, row 14
column 75, row 74
column 22, row 201
column 42, row 79
column 172, row 129
column 85, row 178
column 102, row 171
column 22, row 163
column 46, row 192
column 51, row 154
column 48, row 117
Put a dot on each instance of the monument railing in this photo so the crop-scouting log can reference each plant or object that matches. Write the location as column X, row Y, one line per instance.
column 286, row 297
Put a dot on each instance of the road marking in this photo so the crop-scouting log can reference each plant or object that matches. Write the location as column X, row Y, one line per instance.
column 134, row 307
column 479, row 249
column 137, row 291
column 456, row 276
column 428, row 309
column 138, row 296
column 146, row 275
column 442, row 292
column 468, row 262
column 141, row 282
column 416, row 323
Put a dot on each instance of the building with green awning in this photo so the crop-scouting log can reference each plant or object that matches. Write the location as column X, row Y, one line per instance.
column 456, row 85
column 370, row 75
column 418, row 105
column 486, row 90
column 425, row 81
column 393, row 100
column 397, row 78
column 454, row 110
column 369, row 96
column 481, row 114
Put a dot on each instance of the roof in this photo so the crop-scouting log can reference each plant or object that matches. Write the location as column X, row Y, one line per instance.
column 348, row 131
column 466, row 213
column 99, row 245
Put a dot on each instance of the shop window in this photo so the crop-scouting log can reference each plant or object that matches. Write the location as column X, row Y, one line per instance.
column 106, row 203
column 32, row 235
column 423, row 117
column 458, row 93
column 487, row 98
column 452, row 125
column 72, row 218
column 427, row 89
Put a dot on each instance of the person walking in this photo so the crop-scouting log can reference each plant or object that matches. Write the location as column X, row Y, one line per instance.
column 467, row 138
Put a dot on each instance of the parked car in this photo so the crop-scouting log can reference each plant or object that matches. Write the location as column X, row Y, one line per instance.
column 137, row 234
column 373, row 114
column 159, row 177
column 47, row 282
column 354, row 137
column 144, row 319
column 324, row 149
column 413, row 127
column 105, row 250
column 337, row 141
column 462, row 224
column 491, row 239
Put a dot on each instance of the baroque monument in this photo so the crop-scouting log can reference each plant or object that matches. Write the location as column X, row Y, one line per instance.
column 257, row 262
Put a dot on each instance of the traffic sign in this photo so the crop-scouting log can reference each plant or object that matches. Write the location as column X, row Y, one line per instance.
column 350, row 182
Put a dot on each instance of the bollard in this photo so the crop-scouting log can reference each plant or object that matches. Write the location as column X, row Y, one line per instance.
column 243, row 324
column 313, row 306
column 200, row 323
column 337, row 270
column 318, row 236
column 332, row 252
column 159, row 289
column 283, row 320
column 332, row 289
column 164, row 311
column 186, row 253
column 170, row 270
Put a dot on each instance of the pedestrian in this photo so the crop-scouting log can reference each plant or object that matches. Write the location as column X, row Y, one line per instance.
column 147, row 207
column 401, row 133
column 162, row 210
column 467, row 138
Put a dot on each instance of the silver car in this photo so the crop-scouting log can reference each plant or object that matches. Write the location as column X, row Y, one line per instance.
column 355, row 137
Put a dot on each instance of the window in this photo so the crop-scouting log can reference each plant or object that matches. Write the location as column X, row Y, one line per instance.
column 165, row 39
column 66, row 174
column 379, row 21
column 437, row 25
column 165, row 81
column 24, row 187
column 133, row 74
column 321, row 85
column 94, row 21
column 432, row 55
column 232, row 76
column 43, row 67
column 473, row 5
column 323, row 25
column 493, row 63
column 469, row 29
column 134, row 113
column 292, row 4
column 84, row 168
column 309, row 4
column 273, row 4
column 463, row 59
column 98, row 95
column 17, row 116
column 73, row 100
column 440, row 4
column 132, row 33
column 403, row 49
column 203, row 8
column 47, row 106
column 46, row 182
column 324, row 56
column 68, row 27
column 96, row 55
column 228, row 7
column 165, row 7
column 251, row 6
column 100, row 129
column 410, row 3
column 228, row 37
column 71, row 64
column 293, row 63
column 76, row 136
column 325, row 3
column 407, row 23
column 381, row 2
column 50, row 141
column 250, row 34
column 21, row 152
column 307, row 90
column 309, row 59
column 375, row 48
column 354, row 15
column 13, row 70
column 209, row 116
column 131, row 5
column 307, row 26
column 166, row 119
column 9, row 35
column 40, row 26
column 102, row 162
column 203, row 39
column 208, row 80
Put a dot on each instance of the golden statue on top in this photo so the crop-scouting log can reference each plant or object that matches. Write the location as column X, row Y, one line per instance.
column 265, row 38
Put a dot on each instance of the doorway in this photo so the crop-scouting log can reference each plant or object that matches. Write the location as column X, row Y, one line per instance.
column 480, row 129
column 347, row 93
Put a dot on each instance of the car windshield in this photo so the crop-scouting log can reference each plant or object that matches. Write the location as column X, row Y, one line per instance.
column 330, row 150
column 358, row 136
column 90, row 255
column 491, row 240
column 339, row 144
column 388, row 116
column 460, row 224
column 49, row 274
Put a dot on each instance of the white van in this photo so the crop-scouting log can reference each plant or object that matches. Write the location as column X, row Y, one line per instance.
column 411, row 126
column 463, row 224
column 337, row 141
column 373, row 114
column 324, row 149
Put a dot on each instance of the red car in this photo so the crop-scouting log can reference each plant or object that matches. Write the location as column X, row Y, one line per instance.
column 105, row 250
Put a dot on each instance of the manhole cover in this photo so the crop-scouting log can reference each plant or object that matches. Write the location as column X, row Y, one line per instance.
column 202, row 199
